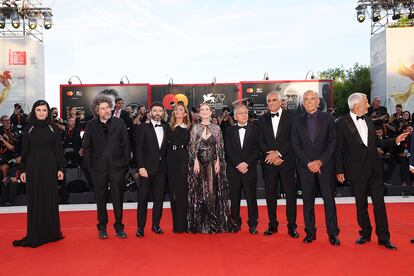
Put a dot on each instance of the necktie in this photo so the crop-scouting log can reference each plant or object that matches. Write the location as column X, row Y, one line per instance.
column 157, row 125
column 360, row 117
column 274, row 114
column 242, row 127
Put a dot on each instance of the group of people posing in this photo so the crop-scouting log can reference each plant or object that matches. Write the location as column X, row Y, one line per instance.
column 205, row 176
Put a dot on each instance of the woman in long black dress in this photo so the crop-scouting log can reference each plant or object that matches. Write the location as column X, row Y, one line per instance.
column 41, row 167
column 208, row 192
column 178, row 137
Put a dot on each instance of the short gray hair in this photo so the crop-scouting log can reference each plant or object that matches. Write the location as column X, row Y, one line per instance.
column 355, row 98
column 100, row 98
column 279, row 97
column 238, row 107
column 309, row 91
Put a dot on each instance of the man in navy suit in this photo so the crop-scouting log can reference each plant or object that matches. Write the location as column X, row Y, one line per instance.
column 313, row 139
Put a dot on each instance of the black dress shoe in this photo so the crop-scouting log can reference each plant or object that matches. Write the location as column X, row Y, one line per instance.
column 140, row 233
column 309, row 238
column 388, row 245
column 270, row 230
column 102, row 234
column 362, row 240
column 121, row 234
column 253, row 230
column 157, row 230
column 333, row 239
column 293, row 233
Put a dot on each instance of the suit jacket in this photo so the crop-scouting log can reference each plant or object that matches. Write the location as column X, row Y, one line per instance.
column 282, row 142
column 412, row 152
column 147, row 152
column 125, row 116
column 103, row 152
column 352, row 157
column 236, row 154
column 323, row 146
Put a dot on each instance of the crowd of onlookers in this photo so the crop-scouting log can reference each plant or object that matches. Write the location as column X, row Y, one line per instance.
column 387, row 125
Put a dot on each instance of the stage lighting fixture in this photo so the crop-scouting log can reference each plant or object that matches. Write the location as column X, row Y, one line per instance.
column 266, row 76
column 15, row 20
column 170, row 82
column 32, row 21
column 74, row 76
column 214, row 81
column 2, row 21
column 47, row 20
column 376, row 14
column 122, row 79
column 396, row 12
column 360, row 13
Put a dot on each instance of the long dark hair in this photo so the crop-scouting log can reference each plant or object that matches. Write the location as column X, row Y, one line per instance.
column 32, row 117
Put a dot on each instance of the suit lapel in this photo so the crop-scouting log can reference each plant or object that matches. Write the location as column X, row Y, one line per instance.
column 318, row 125
column 236, row 136
column 282, row 119
column 269, row 127
column 352, row 128
column 304, row 124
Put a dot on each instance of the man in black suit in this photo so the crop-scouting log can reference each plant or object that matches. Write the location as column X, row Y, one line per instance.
column 120, row 113
column 242, row 154
column 313, row 139
column 279, row 161
column 357, row 160
column 150, row 156
column 106, row 156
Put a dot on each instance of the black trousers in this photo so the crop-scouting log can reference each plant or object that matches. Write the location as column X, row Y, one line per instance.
column 115, row 180
column 362, row 187
column 154, row 184
column 248, row 182
column 287, row 178
column 324, row 180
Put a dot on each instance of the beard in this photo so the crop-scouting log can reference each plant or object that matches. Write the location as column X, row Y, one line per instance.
column 156, row 117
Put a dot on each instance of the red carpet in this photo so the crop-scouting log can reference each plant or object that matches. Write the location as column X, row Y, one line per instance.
column 81, row 253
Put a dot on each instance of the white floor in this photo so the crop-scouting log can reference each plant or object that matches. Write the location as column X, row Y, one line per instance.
column 261, row 202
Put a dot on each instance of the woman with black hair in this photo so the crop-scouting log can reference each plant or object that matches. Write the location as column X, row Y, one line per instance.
column 41, row 167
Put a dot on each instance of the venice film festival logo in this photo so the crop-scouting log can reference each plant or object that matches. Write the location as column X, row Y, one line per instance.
column 213, row 98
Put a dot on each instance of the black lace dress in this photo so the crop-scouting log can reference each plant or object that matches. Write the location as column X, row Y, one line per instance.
column 42, row 157
column 208, row 193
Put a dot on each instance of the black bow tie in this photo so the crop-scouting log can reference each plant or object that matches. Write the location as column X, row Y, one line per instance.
column 274, row 114
column 360, row 117
column 242, row 127
column 157, row 125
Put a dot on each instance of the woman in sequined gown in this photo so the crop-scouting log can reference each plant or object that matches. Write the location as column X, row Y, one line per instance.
column 208, row 191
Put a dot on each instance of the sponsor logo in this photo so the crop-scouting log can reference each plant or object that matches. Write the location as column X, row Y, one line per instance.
column 249, row 90
column 69, row 93
column 78, row 93
column 259, row 90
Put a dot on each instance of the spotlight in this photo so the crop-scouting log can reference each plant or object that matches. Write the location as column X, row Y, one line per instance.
column 360, row 13
column 376, row 14
column 122, row 79
column 74, row 76
column 2, row 21
column 15, row 20
column 266, row 76
column 170, row 82
column 396, row 12
column 214, row 81
column 32, row 21
column 47, row 20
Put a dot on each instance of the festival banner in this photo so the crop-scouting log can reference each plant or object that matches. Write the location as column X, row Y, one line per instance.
column 81, row 96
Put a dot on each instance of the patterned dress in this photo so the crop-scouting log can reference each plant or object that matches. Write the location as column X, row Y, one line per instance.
column 208, row 193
